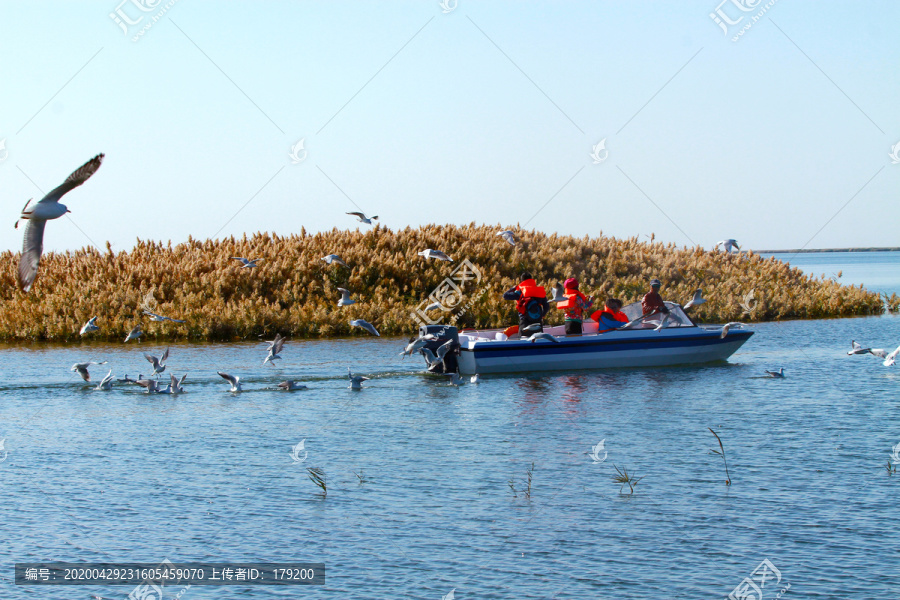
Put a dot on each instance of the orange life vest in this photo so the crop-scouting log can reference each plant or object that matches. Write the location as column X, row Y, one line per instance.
column 573, row 304
column 530, row 289
column 610, row 316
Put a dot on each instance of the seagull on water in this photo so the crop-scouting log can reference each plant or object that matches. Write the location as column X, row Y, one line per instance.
column 82, row 368
column 290, row 385
column 248, row 263
column 275, row 347
column 696, row 300
column 134, row 333
column 778, row 373
column 345, row 297
column 334, row 258
column 234, row 381
column 105, row 383
column 508, row 236
column 455, row 379
column 362, row 218
column 37, row 216
column 149, row 384
column 90, row 326
column 436, row 254
column 355, row 380
column 155, row 317
column 475, row 378
column 159, row 364
column 890, row 358
column 541, row 335
column 365, row 325
column 728, row 245
column 559, row 293
column 727, row 326
column 175, row 385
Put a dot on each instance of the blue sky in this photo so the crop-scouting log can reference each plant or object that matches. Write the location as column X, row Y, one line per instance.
column 486, row 113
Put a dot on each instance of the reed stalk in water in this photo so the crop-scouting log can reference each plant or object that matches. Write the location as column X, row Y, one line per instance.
column 721, row 452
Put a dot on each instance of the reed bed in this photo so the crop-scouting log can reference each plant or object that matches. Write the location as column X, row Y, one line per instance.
column 294, row 292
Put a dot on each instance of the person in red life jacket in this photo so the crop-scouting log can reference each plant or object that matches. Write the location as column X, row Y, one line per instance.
column 531, row 301
column 575, row 304
column 652, row 302
column 611, row 317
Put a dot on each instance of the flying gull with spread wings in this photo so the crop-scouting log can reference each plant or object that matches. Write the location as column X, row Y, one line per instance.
column 37, row 216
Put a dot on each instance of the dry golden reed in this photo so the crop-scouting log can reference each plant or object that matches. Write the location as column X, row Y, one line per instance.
column 295, row 293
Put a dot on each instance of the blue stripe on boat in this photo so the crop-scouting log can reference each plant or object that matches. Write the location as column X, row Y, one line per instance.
column 501, row 349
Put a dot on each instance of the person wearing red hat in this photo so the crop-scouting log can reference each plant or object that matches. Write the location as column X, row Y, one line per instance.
column 574, row 305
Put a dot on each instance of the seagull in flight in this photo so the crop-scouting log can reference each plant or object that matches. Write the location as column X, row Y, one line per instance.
column 290, row 385
column 726, row 327
column 37, row 216
column 415, row 343
column 82, row 368
column 778, row 373
column 275, row 347
column 890, row 358
column 345, row 297
column 433, row 358
column 155, row 317
column 430, row 358
column 355, row 380
column 159, row 364
column 436, row 254
column 856, row 348
column 248, row 263
column 728, row 245
column 508, row 236
column 134, row 333
column 365, row 325
column 362, row 218
column 559, row 293
column 334, row 258
column 234, row 381
column 90, row 326
column 696, row 300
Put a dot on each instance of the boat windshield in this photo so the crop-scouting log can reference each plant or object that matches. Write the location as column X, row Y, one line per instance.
column 675, row 318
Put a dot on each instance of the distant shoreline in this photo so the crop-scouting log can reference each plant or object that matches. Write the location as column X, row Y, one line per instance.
column 805, row 250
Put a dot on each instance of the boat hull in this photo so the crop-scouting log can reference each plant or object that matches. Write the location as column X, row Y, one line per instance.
column 615, row 349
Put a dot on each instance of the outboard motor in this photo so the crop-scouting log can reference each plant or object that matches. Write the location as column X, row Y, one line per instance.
column 443, row 334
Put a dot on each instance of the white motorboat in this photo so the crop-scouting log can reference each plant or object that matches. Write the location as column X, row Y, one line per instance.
column 646, row 341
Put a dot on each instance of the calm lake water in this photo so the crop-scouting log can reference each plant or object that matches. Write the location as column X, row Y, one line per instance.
column 419, row 500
